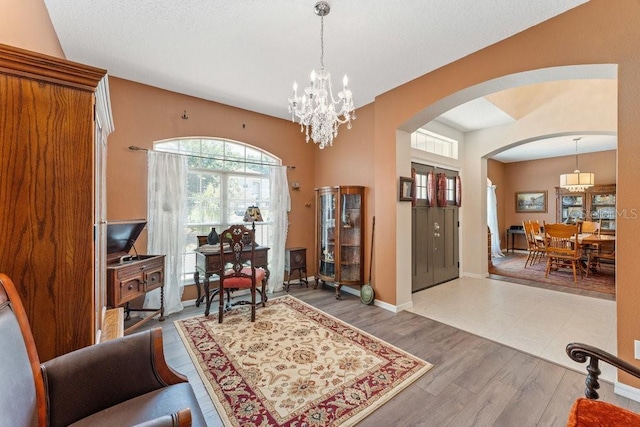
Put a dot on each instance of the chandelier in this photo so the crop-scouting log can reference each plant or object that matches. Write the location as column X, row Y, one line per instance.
column 577, row 181
column 318, row 109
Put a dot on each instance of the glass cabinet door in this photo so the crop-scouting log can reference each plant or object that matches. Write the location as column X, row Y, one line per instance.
column 350, row 237
column 326, row 235
column 603, row 209
column 572, row 208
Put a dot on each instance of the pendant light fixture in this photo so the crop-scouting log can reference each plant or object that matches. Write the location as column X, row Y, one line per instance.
column 577, row 181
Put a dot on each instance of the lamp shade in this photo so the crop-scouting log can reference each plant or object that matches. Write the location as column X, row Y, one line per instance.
column 577, row 181
column 252, row 214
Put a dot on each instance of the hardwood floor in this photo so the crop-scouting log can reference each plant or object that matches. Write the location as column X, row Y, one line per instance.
column 474, row 381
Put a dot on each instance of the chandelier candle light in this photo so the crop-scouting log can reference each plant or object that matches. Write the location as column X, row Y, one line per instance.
column 318, row 109
column 577, row 181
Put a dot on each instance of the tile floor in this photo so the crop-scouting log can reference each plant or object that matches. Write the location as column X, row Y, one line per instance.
column 538, row 321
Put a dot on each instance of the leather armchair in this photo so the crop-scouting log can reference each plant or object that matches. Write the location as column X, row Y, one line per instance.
column 122, row 382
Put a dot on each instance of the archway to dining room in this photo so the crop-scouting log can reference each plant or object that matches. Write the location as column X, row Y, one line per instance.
column 478, row 146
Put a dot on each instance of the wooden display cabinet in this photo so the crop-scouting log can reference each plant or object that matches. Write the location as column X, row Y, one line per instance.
column 340, row 236
column 597, row 203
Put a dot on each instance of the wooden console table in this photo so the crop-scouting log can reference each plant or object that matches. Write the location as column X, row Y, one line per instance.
column 133, row 278
column 208, row 263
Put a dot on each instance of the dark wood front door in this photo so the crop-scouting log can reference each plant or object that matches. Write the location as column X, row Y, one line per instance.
column 434, row 232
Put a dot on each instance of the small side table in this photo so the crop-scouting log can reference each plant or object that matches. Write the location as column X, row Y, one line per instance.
column 295, row 260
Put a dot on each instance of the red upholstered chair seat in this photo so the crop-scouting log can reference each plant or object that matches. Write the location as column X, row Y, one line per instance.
column 587, row 413
column 243, row 282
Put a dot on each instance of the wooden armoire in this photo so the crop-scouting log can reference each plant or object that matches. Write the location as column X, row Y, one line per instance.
column 54, row 121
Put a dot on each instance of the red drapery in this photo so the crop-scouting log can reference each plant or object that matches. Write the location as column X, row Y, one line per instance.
column 442, row 189
column 431, row 189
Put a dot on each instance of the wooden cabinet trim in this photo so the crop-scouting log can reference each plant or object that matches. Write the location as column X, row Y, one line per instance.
column 37, row 66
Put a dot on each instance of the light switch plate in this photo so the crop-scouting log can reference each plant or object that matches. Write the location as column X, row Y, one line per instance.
column 637, row 349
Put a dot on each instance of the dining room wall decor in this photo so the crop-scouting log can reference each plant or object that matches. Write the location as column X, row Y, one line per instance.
column 531, row 201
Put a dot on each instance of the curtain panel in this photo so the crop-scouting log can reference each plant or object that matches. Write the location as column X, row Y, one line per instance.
column 166, row 219
column 492, row 221
column 279, row 206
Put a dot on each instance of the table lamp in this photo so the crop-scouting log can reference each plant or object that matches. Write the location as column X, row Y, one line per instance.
column 252, row 214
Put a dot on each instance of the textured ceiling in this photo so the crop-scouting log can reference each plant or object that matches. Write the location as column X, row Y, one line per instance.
column 247, row 53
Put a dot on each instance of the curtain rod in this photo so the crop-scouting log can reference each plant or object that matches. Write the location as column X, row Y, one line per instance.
column 136, row 148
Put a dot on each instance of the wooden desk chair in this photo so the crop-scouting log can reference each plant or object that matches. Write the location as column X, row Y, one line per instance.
column 535, row 251
column 562, row 248
column 238, row 270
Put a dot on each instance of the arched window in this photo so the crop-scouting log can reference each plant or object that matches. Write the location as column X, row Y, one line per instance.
column 224, row 178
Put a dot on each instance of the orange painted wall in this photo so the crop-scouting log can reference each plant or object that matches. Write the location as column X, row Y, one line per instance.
column 600, row 31
column 26, row 24
column 144, row 114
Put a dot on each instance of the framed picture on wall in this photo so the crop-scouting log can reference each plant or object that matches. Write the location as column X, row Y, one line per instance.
column 531, row 201
column 406, row 189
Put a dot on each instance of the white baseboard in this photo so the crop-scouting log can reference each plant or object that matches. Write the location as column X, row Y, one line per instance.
column 475, row 275
column 189, row 303
column 405, row 306
column 626, row 391
column 389, row 307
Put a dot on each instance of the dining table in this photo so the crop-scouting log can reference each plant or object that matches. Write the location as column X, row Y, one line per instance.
column 586, row 238
column 588, row 242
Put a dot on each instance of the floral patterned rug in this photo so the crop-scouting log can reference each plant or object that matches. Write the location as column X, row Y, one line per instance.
column 294, row 366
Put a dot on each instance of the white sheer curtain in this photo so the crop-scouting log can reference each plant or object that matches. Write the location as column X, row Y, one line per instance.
column 492, row 221
column 166, row 213
column 280, row 205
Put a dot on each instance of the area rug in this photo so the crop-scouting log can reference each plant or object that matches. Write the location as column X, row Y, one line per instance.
column 294, row 366
column 512, row 265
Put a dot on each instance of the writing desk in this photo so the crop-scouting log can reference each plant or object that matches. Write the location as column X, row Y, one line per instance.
column 208, row 263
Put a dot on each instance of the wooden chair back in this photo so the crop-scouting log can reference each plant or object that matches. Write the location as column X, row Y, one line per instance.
column 533, row 246
column 561, row 240
column 237, row 271
column 529, row 235
column 591, row 227
column 535, row 226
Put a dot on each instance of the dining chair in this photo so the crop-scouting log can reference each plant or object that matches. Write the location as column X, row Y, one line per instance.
column 535, row 226
column 535, row 252
column 237, row 271
column 562, row 248
column 605, row 251
column 590, row 227
column 537, row 237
